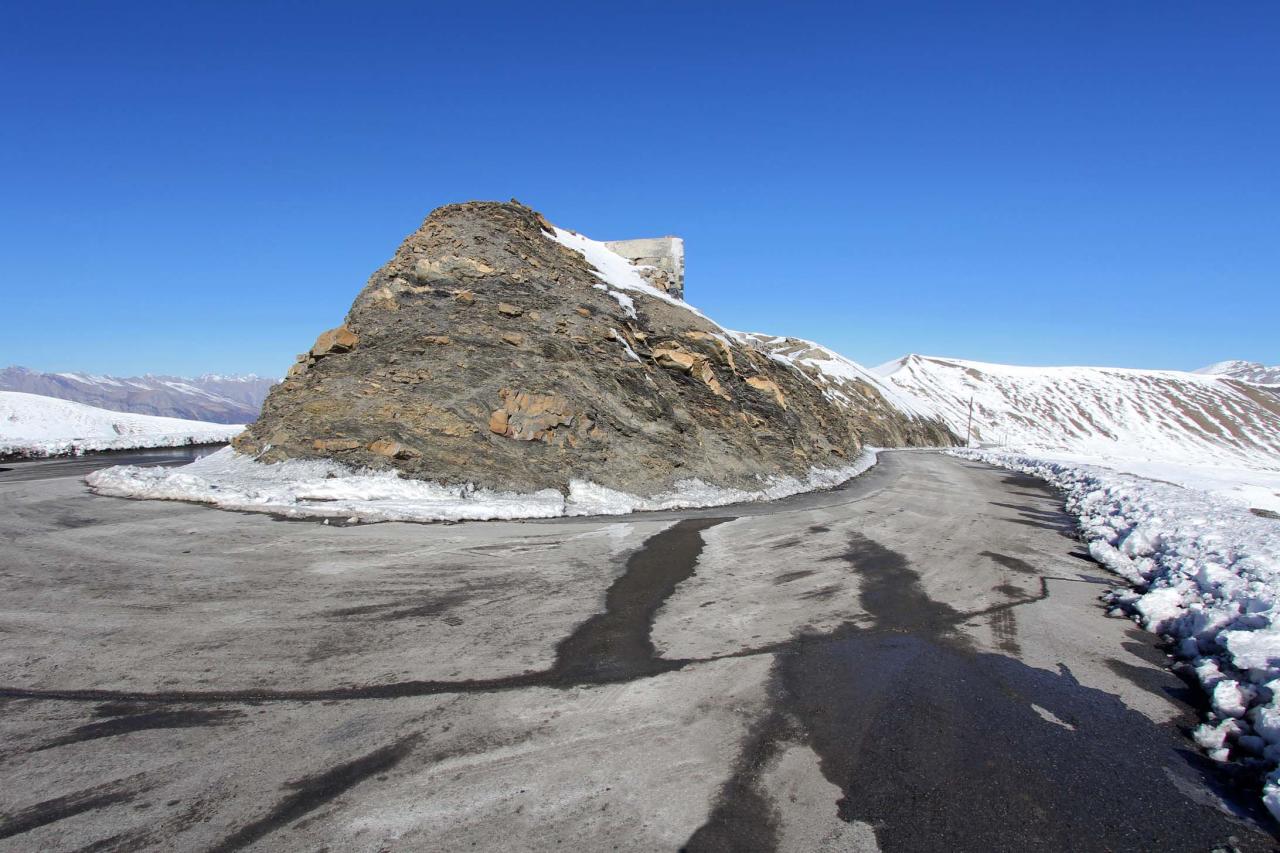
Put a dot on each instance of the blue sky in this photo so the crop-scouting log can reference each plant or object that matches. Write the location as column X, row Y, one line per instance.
column 195, row 187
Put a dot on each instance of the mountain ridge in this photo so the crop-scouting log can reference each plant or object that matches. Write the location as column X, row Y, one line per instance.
column 1176, row 416
column 210, row 397
column 1247, row 371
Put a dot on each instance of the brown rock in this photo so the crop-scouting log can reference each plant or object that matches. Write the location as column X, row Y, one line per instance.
column 334, row 341
column 703, row 371
column 466, row 297
column 451, row 268
column 513, row 338
column 509, row 309
column 438, row 340
column 674, row 359
column 769, row 387
column 530, row 417
column 393, row 449
column 583, row 311
column 330, row 445
column 498, row 421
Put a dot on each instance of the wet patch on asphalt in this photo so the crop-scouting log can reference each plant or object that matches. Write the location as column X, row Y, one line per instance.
column 402, row 608
column 137, row 721
column 941, row 747
column 1011, row 563
column 611, row 646
column 314, row 791
column 69, row 805
column 616, row 645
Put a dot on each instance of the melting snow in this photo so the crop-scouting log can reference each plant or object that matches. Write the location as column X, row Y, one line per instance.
column 326, row 489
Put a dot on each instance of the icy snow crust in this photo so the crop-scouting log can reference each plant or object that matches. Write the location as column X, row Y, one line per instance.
column 1206, row 573
column 326, row 489
column 34, row 425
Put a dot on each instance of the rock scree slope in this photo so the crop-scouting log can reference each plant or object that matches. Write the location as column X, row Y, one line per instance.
column 489, row 351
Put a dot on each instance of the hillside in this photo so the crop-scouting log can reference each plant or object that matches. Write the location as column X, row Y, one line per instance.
column 497, row 352
column 1106, row 412
column 211, row 397
column 32, row 425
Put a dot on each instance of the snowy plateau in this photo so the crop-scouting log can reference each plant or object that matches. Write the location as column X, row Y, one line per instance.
column 34, row 426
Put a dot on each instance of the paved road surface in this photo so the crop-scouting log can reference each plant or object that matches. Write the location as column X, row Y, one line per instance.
column 916, row 661
column 78, row 466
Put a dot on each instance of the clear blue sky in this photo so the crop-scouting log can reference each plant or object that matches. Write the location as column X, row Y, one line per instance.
column 198, row 187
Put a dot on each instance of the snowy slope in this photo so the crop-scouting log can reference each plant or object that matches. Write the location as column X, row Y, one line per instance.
column 32, row 425
column 840, row 379
column 1247, row 371
column 211, row 397
column 1152, row 415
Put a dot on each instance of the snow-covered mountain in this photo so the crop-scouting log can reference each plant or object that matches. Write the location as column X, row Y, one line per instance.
column 215, row 398
column 1248, row 371
column 1103, row 413
column 32, row 425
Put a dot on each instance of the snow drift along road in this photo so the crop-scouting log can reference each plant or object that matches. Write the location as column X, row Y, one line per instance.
column 32, row 425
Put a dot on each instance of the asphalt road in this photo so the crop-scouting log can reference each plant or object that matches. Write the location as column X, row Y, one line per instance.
column 917, row 661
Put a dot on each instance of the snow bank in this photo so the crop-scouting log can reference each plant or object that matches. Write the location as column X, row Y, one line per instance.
column 35, row 425
column 1206, row 574
column 326, row 489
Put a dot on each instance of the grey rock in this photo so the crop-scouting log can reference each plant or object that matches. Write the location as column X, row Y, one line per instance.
column 569, row 400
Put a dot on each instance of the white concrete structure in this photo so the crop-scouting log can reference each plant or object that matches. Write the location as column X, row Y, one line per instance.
column 665, row 256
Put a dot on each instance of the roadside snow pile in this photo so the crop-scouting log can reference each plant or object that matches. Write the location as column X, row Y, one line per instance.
column 32, row 425
column 1206, row 573
column 326, row 489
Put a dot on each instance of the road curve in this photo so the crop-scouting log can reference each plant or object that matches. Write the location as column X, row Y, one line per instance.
column 915, row 661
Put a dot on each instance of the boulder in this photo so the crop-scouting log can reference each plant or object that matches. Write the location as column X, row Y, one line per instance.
column 333, row 341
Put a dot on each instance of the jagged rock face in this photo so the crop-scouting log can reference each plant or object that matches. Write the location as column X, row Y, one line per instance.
column 485, row 352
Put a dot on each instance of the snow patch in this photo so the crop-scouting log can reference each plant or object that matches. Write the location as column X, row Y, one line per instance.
column 34, row 425
column 326, row 489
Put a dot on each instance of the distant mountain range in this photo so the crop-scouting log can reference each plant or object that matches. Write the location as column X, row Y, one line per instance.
column 1248, row 371
column 212, row 398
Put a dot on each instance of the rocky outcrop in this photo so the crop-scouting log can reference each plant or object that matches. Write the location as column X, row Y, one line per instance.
column 487, row 352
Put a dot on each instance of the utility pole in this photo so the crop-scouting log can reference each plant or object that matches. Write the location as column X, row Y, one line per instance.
column 968, row 430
